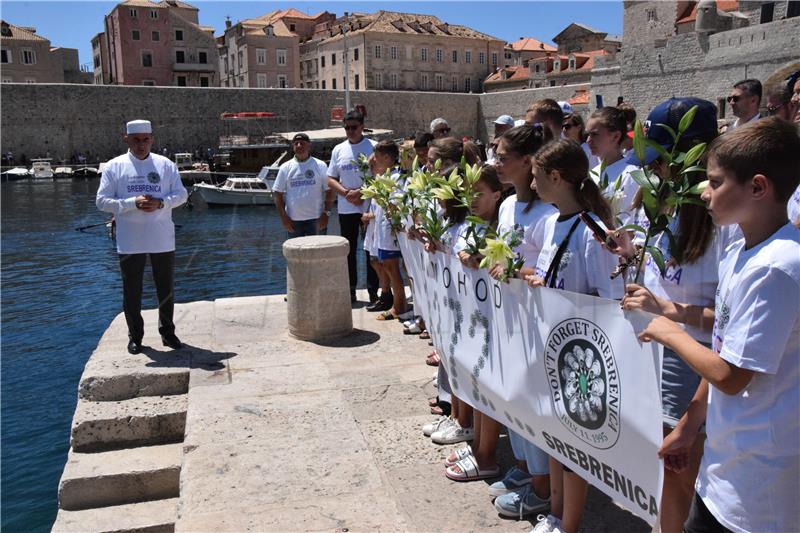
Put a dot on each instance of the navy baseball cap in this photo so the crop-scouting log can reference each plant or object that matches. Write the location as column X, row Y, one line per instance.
column 670, row 112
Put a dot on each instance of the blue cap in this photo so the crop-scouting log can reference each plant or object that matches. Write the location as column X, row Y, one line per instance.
column 670, row 112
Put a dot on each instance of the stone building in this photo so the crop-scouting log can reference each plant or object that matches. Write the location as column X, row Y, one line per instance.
column 730, row 41
column 398, row 51
column 155, row 43
column 264, row 51
column 27, row 57
column 521, row 51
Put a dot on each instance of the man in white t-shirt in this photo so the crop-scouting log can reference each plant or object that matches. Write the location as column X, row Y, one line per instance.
column 141, row 190
column 301, row 191
column 345, row 179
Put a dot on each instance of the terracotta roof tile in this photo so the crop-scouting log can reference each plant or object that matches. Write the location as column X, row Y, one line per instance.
column 581, row 97
column 690, row 15
column 140, row 3
column 178, row 3
column 294, row 13
column 409, row 23
column 515, row 73
column 19, row 33
column 529, row 44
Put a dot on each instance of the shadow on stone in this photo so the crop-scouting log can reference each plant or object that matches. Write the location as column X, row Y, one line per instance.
column 188, row 356
column 354, row 339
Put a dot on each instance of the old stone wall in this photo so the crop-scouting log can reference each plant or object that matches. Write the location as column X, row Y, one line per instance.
column 706, row 66
column 65, row 119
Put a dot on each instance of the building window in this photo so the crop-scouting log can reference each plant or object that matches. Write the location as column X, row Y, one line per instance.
column 358, row 85
column 556, row 65
column 537, row 85
column 204, row 81
column 148, row 83
column 181, row 81
column 5, row 57
column 281, row 56
column 377, row 52
column 261, row 56
column 552, row 83
column 767, row 12
column 481, row 58
column 393, row 52
column 269, row 31
column 423, row 81
column 355, row 54
column 494, row 59
column 147, row 58
column 423, row 54
column 323, row 84
column 202, row 57
column 467, row 84
column 439, row 82
column 241, row 59
column 291, row 27
column 333, row 59
column 178, row 35
column 572, row 63
column 454, row 84
column 393, row 81
column 225, row 64
column 180, row 56
column 96, row 61
column 378, row 80
column 651, row 15
column 468, row 56
column 134, row 13
column 439, row 55
column 135, row 35
column 455, row 56
column 333, row 84
column 281, row 81
column 7, row 80
column 323, row 62
column 536, row 67
column 153, row 14
column 30, row 80
column 155, row 36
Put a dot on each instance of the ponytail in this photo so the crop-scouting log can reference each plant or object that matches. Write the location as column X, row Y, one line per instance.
column 526, row 140
column 568, row 158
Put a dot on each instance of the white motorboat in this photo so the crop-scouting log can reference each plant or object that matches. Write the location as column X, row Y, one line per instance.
column 16, row 173
column 63, row 172
column 245, row 190
column 41, row 169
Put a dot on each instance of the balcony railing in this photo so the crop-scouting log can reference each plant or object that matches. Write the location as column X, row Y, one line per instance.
column 193, row 67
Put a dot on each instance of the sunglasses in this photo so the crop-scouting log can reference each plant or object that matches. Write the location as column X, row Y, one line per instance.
column 733, row 98
column 442, row 130
column 351, row 128
column 771, row 110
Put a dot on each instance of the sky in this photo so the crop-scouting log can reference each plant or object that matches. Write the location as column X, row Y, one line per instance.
column 73, row 24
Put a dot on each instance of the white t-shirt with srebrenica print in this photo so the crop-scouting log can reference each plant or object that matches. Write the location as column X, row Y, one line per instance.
column 750, row 475
column 303, row 184
column 793, row 208
column 586, row 266
column 344, row 167
column 628, row 187
column 529, row 226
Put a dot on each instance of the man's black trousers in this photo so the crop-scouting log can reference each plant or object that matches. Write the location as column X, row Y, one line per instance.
column 132, row 268
column 350, row 226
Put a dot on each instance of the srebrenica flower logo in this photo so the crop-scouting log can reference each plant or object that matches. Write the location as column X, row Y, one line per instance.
column 584, row 381
column 153, row 177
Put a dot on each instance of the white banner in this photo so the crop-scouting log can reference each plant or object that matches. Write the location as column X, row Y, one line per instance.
column 564, row 370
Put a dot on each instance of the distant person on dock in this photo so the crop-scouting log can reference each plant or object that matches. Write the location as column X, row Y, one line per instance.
column 345, row 179
column 141, row 189
column 301, row 191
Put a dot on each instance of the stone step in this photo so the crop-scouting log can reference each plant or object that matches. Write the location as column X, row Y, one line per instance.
column 120, row 477
column 147, row 517
column 124, row 385
column 102, row 426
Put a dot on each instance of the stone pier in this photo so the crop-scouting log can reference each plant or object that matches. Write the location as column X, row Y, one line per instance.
column 250, row 429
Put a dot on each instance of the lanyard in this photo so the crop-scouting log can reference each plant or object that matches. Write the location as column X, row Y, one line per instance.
column 552, row 271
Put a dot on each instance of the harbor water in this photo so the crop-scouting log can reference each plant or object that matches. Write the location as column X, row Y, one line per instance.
column 60, row 290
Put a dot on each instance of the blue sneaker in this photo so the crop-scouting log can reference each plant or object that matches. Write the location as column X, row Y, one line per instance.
column 514, row 480
column 521, row 503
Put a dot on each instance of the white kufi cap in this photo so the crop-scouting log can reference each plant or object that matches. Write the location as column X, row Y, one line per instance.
column 138, row 126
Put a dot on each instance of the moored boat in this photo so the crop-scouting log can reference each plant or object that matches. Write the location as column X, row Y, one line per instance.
column 244, row 190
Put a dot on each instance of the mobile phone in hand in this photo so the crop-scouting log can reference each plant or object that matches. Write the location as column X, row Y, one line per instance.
column 598, row 230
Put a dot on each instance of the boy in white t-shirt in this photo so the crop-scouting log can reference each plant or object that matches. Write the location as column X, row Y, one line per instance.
column 749, row 479
column 301, row 191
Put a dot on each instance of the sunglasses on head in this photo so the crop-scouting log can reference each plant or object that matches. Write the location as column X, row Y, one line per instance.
column 733, row 98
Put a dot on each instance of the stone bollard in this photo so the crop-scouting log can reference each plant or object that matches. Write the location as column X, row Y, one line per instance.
column 318, row 287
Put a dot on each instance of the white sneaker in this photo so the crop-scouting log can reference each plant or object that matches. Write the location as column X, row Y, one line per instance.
column 547, row 524
column 453, row 434
column 430, row 427
column 444, row 424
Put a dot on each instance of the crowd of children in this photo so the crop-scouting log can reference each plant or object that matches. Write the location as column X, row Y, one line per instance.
column 723, row 282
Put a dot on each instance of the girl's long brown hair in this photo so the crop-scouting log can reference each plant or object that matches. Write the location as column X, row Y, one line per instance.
column 526, row 140
column 568, row 158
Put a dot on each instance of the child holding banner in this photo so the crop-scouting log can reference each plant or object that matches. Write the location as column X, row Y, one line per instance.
column 749, row 478
column 571, row 259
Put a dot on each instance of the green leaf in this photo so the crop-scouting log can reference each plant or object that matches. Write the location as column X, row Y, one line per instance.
column 475, row 220
column 698, row 188
column 650, row 204
column 658, row 257
column 640, row 177
column 660, row 149
column 687, row 119
column 639, row 145
column 696, row 168
column 693, row 201
column 694, row 154
column 670, row 131
column 633, row 227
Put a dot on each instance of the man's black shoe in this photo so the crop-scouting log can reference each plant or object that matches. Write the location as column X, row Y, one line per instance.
column 373, row 297
column 134, row 347
column 172, row 341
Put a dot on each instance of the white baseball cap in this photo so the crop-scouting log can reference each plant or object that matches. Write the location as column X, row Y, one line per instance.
column 138, row 126
column 566, row 108
column 506, row 120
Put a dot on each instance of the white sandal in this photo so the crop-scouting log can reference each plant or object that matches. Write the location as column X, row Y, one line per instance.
column 461, row 453
column 469, row 471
